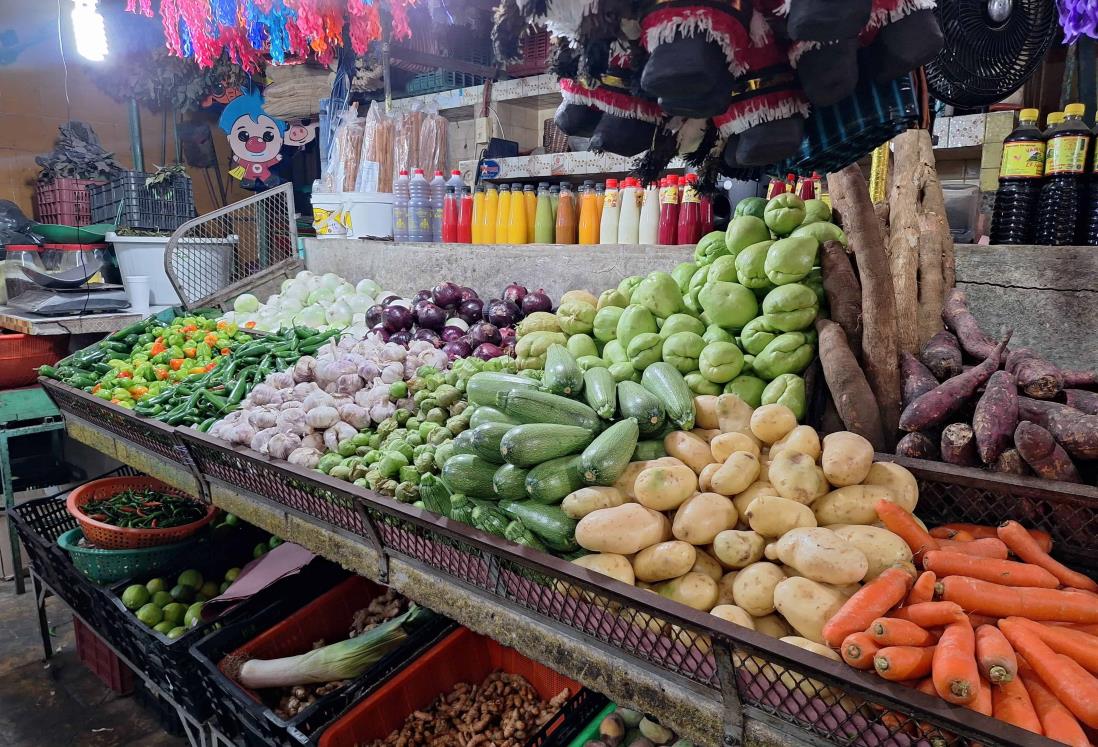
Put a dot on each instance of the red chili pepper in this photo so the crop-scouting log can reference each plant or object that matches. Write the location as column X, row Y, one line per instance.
column 154, row 521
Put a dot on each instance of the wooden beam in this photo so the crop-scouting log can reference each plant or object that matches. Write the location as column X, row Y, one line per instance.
column 400, row 52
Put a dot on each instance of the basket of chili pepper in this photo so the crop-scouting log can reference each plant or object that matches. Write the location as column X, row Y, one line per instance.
column 125, row 513
column 109, row 566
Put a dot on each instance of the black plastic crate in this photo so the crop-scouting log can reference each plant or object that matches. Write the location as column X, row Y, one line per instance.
column 127, row 202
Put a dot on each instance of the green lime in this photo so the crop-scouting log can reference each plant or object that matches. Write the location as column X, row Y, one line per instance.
column 274, row 542
column 231, row 520
column 183, row 594
column 209, row 589
column 232, row 574
column 200, row 597
column 224, row 587
column 162, row 599
column 191, row 578
column 135, row 596
column 176, row 632
column 193, row 616
column 157, row 584
column 150, row 614
column 164, row 626
column 174, row 613
column 260, row 550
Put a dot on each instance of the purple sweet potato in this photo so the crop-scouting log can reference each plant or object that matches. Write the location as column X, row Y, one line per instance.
column 1035, row 376
column 958, row 318
column 916, row 378
column 996, row 416
column 936, row 405
column 959, row 445
column 1041, row 452
column 942, row 355
column 1080, row 379
column 917, row 446
column 1073, row 429
column 1082, row 400
column 1010, row 462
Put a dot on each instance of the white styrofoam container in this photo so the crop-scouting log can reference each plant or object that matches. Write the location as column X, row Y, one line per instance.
column 144, row 255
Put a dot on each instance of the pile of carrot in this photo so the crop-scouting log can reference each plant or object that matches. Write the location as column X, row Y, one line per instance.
column 986, row 619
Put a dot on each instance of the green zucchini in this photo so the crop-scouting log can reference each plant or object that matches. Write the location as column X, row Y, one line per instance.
column 554, row 527
column 510, row 482
column 550, row 481
column 434, row 495
column 665, row 381
column 599, row 389
column 562, row 373
column 489, row 519
column 517, row 532
column 488, row 414
column 606, row 458
column 648, row 450
column 635, row 401
column 485, row 439
column 482, row 388
column 529, row 406
column 463, row 443
column 461, row 508
column 468, row 474
column 534, row 443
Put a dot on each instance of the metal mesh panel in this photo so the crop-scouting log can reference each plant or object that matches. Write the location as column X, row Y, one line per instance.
column 234, row 249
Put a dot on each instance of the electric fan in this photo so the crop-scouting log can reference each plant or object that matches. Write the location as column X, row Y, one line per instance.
column 991, row 48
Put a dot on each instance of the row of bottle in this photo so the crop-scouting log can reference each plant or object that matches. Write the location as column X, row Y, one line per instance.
column 1048, row 182
column 418, row 204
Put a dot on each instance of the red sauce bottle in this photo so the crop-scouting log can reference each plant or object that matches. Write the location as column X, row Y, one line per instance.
column 669, row 210
column 465, row 217
column 449, row 217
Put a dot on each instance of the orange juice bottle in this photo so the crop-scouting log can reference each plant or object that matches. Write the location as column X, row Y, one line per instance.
column 588, row 216
column 478, row 214
column 530, row 200
column 503, row 214
column 516, row 228
column 488, row 218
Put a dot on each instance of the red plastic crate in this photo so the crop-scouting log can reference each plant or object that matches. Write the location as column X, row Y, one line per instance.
column 101, row 660
column 64, row 201
column 535, row 55
column 21, row 354
column 463, row 656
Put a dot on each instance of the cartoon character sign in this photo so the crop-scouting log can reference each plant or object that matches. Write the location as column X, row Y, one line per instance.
column 255, row 138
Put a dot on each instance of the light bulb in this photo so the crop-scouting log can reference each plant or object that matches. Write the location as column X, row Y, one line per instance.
column 89, row 31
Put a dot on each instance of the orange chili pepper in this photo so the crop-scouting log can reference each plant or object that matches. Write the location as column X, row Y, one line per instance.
column 190, row 328
column 225, row 351
column 176, row 363
column 190, row 352
column 210, row 339
column 125, row 374
column 249, row 325
column 162, row 374
column 157, row 348
column 96, row 388
column 222, row 324
column 210, row 366
column 139, row 391
column 199, row 370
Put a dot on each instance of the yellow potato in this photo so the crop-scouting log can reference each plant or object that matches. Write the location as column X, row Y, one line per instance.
column 770, row 422
column 821, row 555
column 733, row 614
column 628, row 478
column 609, row 564
column 663, row 488
column 585, row 500
column 764, row 469
column 772, row 625
column 904, row 487
column 823, row 487
column 623, row 530
column 803, row 438
column 705, row 411
column 742, row 501
column 726, row 444
column 702, row 517
column 705, row 477
column 738, row 472
column 691, row 450
column 707, row 564
column 724, row 587
column 706, row 434
column 807, row 605
column 853, row 504
column 847, row 590
column 773, row 516
column 793, row 475
column 881, row 547
column 737, row 549
column 846, row 458
column 733, row 414
column 664, row 560
column 692, row 589
column 753, row 588
column 810, row 687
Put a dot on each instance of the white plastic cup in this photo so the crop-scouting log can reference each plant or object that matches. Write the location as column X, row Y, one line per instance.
column 137, row 291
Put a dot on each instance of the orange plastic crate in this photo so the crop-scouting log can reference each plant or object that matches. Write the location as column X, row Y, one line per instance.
column 109, row 537
column 463, row 656
column 21, row 355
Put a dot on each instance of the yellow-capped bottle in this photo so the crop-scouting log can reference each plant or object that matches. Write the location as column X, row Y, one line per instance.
column 478, row 215
column 516, row 227
column 491, row 209
column 1058, row 208
column 503, row 214
column 1020, row 174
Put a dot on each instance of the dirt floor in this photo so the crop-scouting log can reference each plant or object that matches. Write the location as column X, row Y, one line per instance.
column 61, row 703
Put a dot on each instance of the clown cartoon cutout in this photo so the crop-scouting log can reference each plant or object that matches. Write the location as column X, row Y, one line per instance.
column 256, row 140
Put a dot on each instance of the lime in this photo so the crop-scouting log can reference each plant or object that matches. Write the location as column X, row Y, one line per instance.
column 232, row 574
column 192, row 617
column 274, row 542
column 150, row 614
column 231, row 519
column 191, row 578
column 260, row 550
column 224, row 587
column 183, row 594
column 209, row 589
column 200, row 597
column 163, row 626
column 157, row 584
column 162, row 599
column 176, row 632
column 174, row 613
column 135, row 596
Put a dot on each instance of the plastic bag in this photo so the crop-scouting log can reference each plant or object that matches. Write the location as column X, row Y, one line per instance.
column 432, row 143
column 375, row 167
column 407, row 127
column 14, row 226
column 343, row 156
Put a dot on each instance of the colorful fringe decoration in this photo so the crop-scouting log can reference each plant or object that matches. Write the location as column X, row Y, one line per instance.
column 1078, row 18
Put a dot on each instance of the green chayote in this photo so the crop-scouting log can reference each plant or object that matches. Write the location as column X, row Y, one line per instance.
column 581, row 345
column 530, row 349
column 614, row 352
column 784, row 213
column 635, row 320
column 789, row 260
column 751, row 265
column 714, row 333
column 711, row 246
column 682, row 349
column 605, row 326
column 628, row 285
column 787, row 353
column 682, row 274
column 720, row 362
column 728, row 305
column 816, row 211
column 723, row 269
column 622, row 371
column 748, row 388
column 757, row 334
column 612, row 297
column 681, row 323
column 743, row 232
column 575, row 317
column 659, row 293
column 790, row 307
column 644, row 350
column 822, row 232
column 700, row 385
column 787, row 389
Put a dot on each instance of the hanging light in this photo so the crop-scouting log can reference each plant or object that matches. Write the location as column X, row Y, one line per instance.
column 89, row 31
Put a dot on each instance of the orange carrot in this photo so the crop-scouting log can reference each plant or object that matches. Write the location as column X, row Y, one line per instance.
column 927, row 686
column 897, row 663
column 1003, row 601
column 994, row 656
column 923, row 590
column 976, row 620
column 956, row 678
column 957, row 535
column 1088, row 628
column 982, row 548
column 1074, row 686
column 1005, row 572
column 1057, row 722
column 1025, row 547
column 869, row 602
column 902, row 523
column 1075, row 644
column 1011, row 703
column 930, row 614
column 858, row 650
column 980, row 531
column 890, row 631
column 983, row 701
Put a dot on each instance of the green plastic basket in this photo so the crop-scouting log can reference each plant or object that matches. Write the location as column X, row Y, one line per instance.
column 591, row 731
column 109, row 566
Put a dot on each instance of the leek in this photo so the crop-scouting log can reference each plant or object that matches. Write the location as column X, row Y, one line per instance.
column 345, row 660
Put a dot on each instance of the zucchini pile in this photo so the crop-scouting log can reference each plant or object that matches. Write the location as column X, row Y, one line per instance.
column 531, row 443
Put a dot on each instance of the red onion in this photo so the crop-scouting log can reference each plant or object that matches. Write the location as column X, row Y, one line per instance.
column 471, row 310
column 449, row 333
column 468, row 294
column 457, row 349
column 423, row 295
column 429, row 315
column 484, row 332
column 514, row 293
column 536, row 301
column 487, row 351
column 507, row 333
column 429, row 335
column 508, row 348
column 402, row 337
column 389, row 299
column 373, row 314
column 447, row 295
column 501, row 313
column 381, row 332
column 396, row 318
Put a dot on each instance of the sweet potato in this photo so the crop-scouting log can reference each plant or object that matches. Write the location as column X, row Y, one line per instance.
column 853, row 398
column 996, row 416
column 960, row 320
column 942, row 355
column 1041, row 452
column 844, row 293
column 1082, row 400
column 936, row 405
column 959, row 445
column 1010, row 462
column 1073, row 429
column 916, row 378
column 1080, row 379
column 917, row 446
column 1035, row 376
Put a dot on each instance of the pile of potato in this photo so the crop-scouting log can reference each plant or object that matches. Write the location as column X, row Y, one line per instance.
column 749, row 517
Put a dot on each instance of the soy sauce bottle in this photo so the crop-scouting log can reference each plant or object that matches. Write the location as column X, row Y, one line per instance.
column 1059, row 208
column 1020, row 174
column 1087, row 234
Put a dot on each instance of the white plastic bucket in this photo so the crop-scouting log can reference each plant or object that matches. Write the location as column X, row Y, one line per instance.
column 328, row 215
column 144, row 255
column 370, row 215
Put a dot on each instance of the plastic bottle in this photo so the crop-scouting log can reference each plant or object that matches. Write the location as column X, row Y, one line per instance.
column 503, row 214
column 419, row 208
column 565, row 226
column 629, row 215
column 705, row 215
column 516, row 229
column 600, row 198
column 669, row 211
column 400, row 206
column 554, row 198
column 456, row 182
column 689, row 212
column 588, row 228
column 1020, row 173
column 488, row 219
column 449, row 216
column 1058, row 208
column 530, row 198
column 438, row 194
column 544, row 227
column 649, row 230
column 1088, row 219
column 477, row 233
column 465, row 216
column 775, row 188
column 611, row 212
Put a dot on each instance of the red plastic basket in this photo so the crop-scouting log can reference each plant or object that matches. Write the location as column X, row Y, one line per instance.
column 535, row 55
column 21, row 355
column 64, row 201
column 463, row 656
column 101, row 660
column 110, row 537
